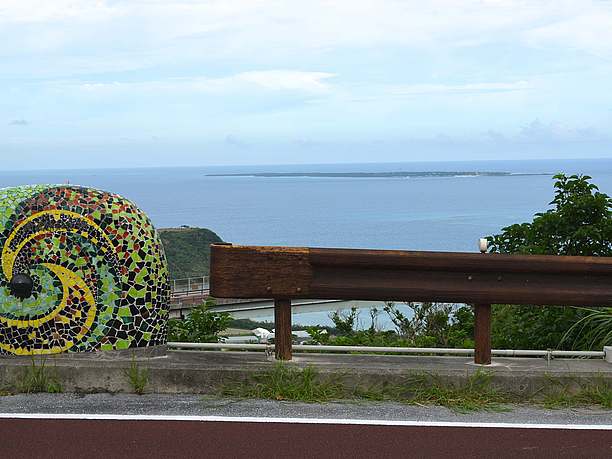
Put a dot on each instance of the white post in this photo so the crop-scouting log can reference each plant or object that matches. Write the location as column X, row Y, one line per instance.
column 608, row 354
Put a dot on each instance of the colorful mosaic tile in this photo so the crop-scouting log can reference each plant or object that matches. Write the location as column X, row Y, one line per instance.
column 95, row 266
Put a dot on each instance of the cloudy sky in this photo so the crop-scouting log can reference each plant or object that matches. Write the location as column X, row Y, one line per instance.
column 87, row 83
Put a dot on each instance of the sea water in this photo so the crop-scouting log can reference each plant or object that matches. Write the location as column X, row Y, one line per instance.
column 441, row 213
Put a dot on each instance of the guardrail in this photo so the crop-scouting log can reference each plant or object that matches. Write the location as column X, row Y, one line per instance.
column 287, row 273
column 189, row 286
column 549, row 353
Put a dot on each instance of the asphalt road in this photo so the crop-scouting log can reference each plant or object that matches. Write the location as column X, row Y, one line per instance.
column 105, row 438
column 198, row 405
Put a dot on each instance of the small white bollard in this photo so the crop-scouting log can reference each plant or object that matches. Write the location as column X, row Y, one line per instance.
column 483, row 245
column 608, row 354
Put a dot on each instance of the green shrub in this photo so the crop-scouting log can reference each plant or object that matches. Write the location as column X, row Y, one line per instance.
column 434, row 324
column 201, row 325
column 345, row 323
column 579, row 223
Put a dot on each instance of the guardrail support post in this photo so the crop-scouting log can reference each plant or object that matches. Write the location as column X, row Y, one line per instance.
column 482, row 334
column 282, row 329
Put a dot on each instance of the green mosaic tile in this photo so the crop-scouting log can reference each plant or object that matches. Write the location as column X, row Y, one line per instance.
column 92, row 256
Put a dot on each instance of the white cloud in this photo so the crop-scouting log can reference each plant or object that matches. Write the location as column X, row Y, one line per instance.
column 45, row 11
column 288, row 80
column 273, row 80
column 538, row 131
column 474, row 88
column 591, row 32
column 132, row 33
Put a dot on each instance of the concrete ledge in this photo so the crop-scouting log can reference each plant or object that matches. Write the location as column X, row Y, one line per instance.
column 200, row 372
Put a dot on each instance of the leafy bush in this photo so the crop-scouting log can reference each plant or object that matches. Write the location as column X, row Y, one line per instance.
column 579, row 223
column 434, row 324
column 317, row 335
column 431, row 325
column 345, row 323
column 368, row 338
column 201, row 325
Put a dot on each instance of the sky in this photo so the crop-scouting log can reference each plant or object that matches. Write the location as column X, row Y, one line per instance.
column 86, row 83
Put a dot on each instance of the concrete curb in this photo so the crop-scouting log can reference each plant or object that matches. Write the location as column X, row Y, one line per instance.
column 200, row 372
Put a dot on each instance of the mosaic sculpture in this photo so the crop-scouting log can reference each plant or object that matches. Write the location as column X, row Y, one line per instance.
column 82, row 270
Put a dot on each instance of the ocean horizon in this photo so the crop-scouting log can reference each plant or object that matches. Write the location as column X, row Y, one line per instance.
column 447, row 213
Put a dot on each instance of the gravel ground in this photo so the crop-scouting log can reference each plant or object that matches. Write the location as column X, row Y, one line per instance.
column 193, row 405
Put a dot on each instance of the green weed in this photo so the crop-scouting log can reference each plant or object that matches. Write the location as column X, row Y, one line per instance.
column 38, row 378
column 283, row 382
column 559, row 394
column 475, row 394
column 137, row 377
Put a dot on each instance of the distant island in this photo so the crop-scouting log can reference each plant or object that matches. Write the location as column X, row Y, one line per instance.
column 398, row 174
column 188, row 250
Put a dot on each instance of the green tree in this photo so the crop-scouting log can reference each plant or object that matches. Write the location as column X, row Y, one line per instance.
column 579, row 222
column 201, row 325
column 434, row 324
column 345, row 322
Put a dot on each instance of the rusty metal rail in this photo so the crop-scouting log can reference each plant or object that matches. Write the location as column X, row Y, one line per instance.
column 286, row 273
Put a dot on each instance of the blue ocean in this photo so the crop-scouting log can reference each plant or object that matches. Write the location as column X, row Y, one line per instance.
column 416, row 213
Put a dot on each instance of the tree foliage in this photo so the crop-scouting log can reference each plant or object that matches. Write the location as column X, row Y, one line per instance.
column 201, row 325
column 434, row 324
column 345, row 322
column 579, row 222
column 429, row 325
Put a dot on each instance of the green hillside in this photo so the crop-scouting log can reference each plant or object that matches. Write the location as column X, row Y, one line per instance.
column 187, row 250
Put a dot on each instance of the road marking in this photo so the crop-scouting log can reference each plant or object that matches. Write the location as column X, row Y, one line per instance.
column 373, row 422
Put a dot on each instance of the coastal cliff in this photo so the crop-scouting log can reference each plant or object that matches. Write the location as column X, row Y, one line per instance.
column 188, row 250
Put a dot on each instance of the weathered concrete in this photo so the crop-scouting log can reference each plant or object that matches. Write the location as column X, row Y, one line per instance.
column 200, row 372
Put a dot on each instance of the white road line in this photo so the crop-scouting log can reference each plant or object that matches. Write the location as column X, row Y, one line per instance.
column 373, row 422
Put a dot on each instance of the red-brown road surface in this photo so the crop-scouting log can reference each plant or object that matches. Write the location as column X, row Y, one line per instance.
column 151, row 438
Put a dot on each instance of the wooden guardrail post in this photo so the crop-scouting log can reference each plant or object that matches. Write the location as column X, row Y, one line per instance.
column 282, row 329
column 482, row 334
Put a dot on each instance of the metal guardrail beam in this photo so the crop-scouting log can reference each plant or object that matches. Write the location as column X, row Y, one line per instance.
column 399, row 350
column 310, row 273
column 287, row 273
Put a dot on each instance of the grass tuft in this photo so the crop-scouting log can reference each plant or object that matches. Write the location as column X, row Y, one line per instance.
column 137, row 377
column 560, row 394
column 38, row 378
column 283, row 382
column 477, row 393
